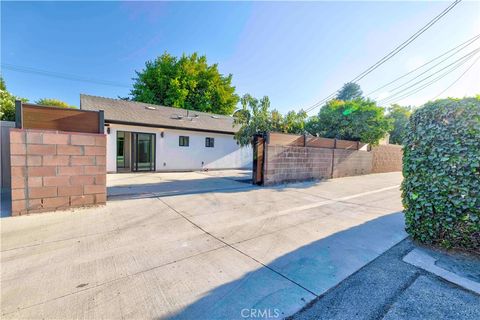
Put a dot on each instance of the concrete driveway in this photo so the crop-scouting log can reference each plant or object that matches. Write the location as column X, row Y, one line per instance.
column 122, row 186
column 233, row 253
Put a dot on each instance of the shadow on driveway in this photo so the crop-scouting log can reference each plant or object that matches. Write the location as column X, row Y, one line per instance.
column 208, row 183
column 283, row 286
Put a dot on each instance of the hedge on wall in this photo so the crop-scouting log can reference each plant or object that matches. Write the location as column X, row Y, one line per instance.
column 441, row 169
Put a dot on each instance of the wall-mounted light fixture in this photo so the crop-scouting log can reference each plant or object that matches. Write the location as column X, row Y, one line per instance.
column 161, row 134
column 108, row 130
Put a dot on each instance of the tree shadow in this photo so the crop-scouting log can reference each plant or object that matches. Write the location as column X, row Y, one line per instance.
column 285, row 285
column 176, row 187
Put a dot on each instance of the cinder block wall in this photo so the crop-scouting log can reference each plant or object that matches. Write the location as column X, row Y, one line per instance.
column 348, row 163
column 296, row 163
column 291, row 163
column 54, row 170
column 387, row 158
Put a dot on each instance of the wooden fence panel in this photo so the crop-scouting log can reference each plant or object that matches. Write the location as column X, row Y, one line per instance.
column 317, row 142
column 61, row 119
column 281, row 139
column 346, row 144
column 294, row 140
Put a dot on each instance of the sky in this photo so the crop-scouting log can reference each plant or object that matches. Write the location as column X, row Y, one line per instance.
column 297, row 53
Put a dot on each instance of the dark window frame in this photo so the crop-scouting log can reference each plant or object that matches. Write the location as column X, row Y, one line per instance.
column 209, row 142
column 183, row 141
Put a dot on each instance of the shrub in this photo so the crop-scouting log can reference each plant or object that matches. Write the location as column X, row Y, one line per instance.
column 441, row 169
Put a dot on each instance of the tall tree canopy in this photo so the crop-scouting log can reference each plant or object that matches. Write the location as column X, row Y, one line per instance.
column 255, row 116
column 7, row 102
column 399, row 116
column 357, row 120
column 187, row 82
column 350, row 91
column 53, row 103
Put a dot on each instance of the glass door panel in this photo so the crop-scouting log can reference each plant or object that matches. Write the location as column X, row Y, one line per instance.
column 144, row 151
column 120, row 149
column 123, row 151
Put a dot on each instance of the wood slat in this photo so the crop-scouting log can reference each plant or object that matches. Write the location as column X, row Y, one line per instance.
column 317, row 142
column 53, row 118
column 281, row 139
column 346, row 144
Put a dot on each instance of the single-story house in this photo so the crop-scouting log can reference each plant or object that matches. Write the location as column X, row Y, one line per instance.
column 147, row 137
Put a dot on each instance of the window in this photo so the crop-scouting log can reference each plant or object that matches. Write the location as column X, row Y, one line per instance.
column 183, row 141
column 209, row 142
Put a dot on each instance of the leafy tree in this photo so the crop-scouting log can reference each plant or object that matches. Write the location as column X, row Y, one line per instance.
column 255, row 116
column 7, row 102
column 311, row 125
column 357, row 120
column 399, row 115
column 350, row 91
column 187, row 82
column 276, row 121
column 294, row 122
column 53, row 103
column 258, row 121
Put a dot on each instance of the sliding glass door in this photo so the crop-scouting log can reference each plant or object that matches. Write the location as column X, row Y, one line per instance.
column 143, row 151
column 123, row 151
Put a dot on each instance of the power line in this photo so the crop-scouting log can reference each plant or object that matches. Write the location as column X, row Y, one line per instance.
column 461, row 76
column 462, row 45
column 393, row 52
column 422, row 86
column 415, row 90
column 65, row 76
column 407, row 42
column 467, row 57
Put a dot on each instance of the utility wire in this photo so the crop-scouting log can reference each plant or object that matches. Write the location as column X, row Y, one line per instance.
column 422, row 86
column 461, row 76
column 467, row 57
column 65, row 76
column 407, row 42
column 415, row 90
column 462, row 45
column 393, row 52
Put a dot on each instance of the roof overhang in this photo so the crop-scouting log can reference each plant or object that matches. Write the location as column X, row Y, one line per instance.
column 165, row 127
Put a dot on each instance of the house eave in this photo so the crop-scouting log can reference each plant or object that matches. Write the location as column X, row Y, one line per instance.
column 107, row 121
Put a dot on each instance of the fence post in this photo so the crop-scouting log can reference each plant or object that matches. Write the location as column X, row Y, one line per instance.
column 101, row 121
column 18, row 114
column 304, row 140
column 333, row 155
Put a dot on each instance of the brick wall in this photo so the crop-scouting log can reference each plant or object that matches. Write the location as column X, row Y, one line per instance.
column 296, row 163
column 351, row 163
column 54, row 170
column 290, row 163
column 387, row 158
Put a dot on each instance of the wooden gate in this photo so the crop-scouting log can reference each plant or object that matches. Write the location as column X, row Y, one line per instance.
column 258, row 158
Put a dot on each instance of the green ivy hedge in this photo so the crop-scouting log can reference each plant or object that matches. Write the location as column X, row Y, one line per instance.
column 441, row 169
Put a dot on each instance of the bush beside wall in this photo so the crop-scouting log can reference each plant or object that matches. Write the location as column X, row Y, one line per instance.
column 441, row 169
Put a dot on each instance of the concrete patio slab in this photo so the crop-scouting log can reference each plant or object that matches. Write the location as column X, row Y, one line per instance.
column 121, row 186
column 319, row 255
column 199, row 255
column 197, row 288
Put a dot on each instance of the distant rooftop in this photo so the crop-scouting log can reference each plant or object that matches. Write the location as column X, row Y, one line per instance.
column 145, row 114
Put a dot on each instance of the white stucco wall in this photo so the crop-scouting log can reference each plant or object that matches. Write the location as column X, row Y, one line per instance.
column 169, row 156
